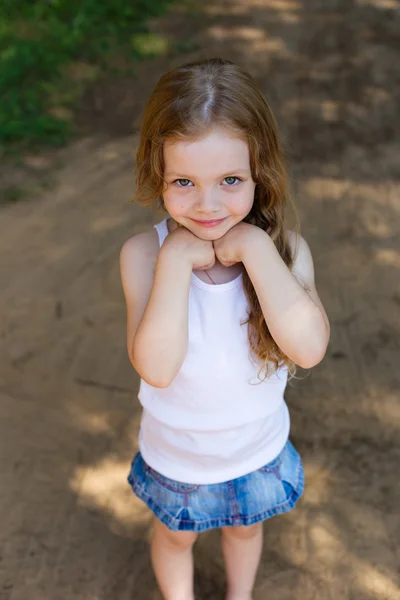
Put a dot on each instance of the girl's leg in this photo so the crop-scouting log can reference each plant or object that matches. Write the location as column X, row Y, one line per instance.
column 172, row 559
column 241, row 547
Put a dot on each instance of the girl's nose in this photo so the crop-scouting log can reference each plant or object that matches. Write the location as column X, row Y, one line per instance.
column 208, row 201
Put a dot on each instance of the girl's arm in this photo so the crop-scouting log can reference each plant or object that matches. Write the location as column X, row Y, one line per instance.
column 156, row 290
column 161, row 339
column 295, row 317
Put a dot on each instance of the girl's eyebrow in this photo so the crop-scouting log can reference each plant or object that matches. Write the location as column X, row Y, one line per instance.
column 231, row 172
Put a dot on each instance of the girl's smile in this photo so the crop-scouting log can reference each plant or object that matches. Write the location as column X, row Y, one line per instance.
column 209, row 223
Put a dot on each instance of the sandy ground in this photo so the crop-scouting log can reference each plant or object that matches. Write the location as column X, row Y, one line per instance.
column 70, row 526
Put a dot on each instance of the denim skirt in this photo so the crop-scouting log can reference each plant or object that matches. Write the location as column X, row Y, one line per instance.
column 268, row 491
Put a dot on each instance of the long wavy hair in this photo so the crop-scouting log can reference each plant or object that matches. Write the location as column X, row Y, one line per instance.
column 188, row 102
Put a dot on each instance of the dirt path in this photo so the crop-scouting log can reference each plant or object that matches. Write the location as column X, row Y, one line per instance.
column 70, row 527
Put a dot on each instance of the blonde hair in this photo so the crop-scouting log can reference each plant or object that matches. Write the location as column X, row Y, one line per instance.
column 187, row 102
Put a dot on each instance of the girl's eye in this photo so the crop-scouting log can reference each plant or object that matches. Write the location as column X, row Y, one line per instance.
column 183, row 182
column 231, row 180
column 186, row 182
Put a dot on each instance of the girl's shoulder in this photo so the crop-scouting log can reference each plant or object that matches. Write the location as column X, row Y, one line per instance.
column 143, row 248
column 146, row 242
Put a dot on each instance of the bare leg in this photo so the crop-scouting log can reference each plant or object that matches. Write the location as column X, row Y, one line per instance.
column 241, row 547
column 172, row 559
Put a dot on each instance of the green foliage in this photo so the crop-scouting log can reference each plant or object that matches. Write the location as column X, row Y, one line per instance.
column 147, row 44
column 11, row 195
column 39, row 37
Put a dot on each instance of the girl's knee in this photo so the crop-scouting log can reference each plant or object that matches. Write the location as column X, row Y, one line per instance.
column 179, row 539
column 244, row 532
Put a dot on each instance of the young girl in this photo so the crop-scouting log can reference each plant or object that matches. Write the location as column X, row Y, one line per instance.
column 217, row 294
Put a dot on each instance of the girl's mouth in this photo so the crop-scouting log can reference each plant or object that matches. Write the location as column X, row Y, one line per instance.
column 209, row 223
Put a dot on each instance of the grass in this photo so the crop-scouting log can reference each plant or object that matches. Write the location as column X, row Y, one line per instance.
column 51, row 49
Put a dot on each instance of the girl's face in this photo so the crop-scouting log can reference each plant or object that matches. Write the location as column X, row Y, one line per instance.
column 208, row 179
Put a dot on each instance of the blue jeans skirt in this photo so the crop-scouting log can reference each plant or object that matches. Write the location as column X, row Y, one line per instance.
column 268, row 491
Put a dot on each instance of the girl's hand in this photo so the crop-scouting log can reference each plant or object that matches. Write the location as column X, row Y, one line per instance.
column 229, row 248
column 200, row 253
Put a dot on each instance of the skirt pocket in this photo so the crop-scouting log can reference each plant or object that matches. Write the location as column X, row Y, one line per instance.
column 290, row 473
column 177, row 487
column 168, row 499
column 274, row 488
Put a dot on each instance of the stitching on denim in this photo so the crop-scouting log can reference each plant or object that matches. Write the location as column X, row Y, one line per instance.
column 272, row 511
column 218, row 521
column 233, row 501
column 272, row 466
column 159, row 478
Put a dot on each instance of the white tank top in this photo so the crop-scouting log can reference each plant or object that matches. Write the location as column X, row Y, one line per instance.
column 212, row 424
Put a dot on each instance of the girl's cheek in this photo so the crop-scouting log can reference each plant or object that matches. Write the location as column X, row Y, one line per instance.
column 175, row 204
column 241, row 202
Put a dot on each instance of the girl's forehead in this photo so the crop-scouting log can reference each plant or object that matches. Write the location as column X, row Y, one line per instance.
column 219, row 149
column 216, row 135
